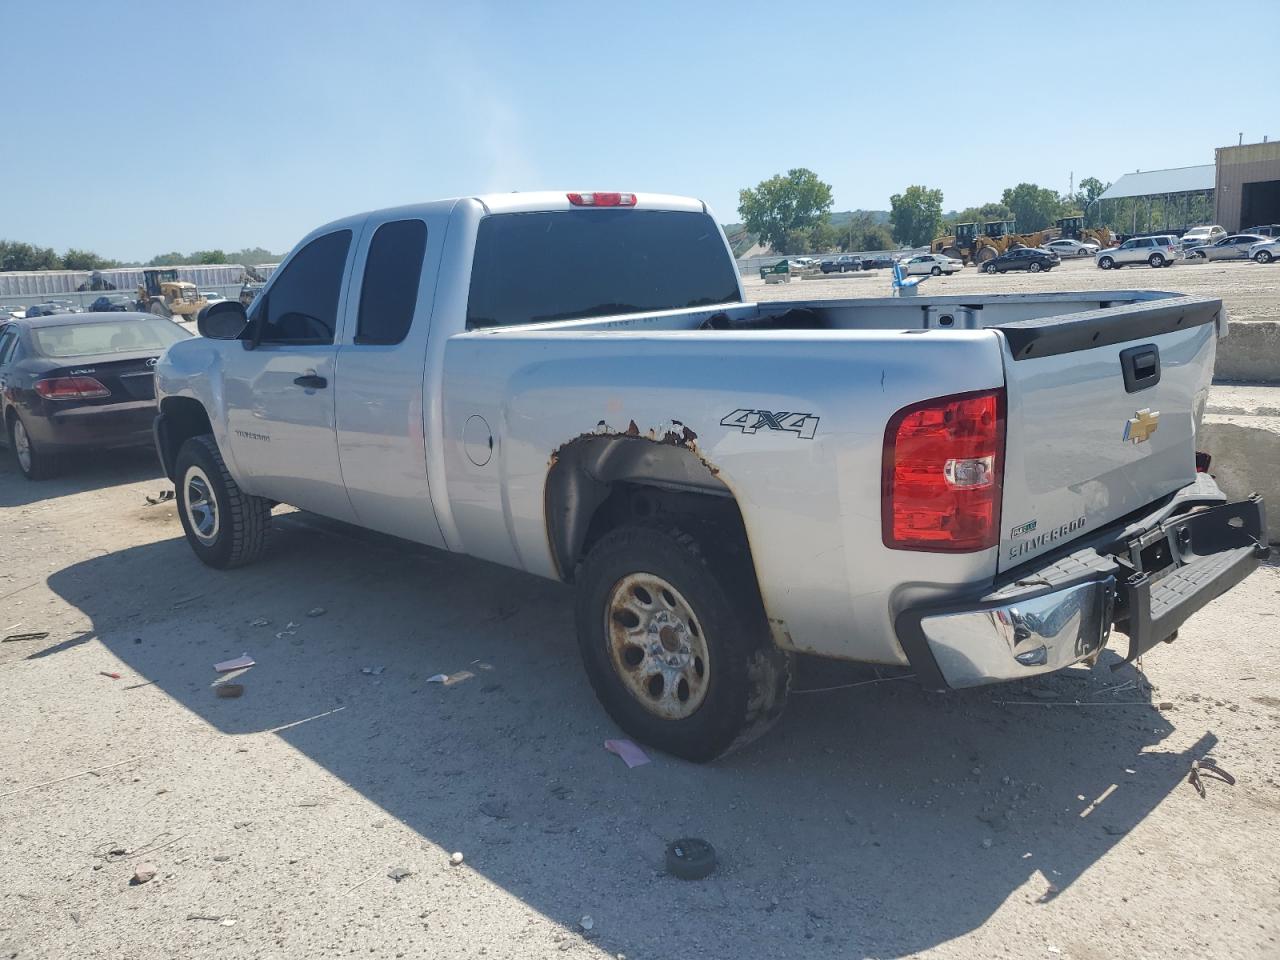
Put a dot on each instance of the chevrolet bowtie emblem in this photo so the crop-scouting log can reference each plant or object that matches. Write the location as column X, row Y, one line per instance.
column 1140, row 427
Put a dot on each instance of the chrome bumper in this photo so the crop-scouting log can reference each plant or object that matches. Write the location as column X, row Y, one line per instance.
column 1012, row 640
column 1145, row 582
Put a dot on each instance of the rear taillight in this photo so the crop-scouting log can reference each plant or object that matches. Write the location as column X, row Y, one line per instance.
column 602, row 199
column 1203, row 460
column 71, row 388
column 943, row 473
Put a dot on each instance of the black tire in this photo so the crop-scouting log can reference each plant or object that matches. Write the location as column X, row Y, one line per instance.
column 747, row 677
column 38, row 465
column 1156, row 260
column 1035, row 267
column 240, row 524
column 1263, row 256
column 989, row 267
column 1106, row 263
column 936, row 271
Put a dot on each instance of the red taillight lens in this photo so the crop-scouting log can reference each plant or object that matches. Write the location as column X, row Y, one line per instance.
column 602, row 199
column 943, row 474
column 71, row 388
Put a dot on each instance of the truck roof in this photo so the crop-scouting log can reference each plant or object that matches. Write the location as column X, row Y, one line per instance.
column 514, row 202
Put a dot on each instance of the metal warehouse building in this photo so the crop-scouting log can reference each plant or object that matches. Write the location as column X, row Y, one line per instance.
column 1183, row 195
column 1247, row 185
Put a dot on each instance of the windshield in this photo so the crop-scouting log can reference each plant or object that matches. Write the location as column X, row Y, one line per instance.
column 561, row 265
column 123, row 336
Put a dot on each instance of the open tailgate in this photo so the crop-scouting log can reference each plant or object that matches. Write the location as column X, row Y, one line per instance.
column 1103, row 409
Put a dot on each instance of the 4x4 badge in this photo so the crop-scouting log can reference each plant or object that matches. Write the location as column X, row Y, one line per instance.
column 804, row 425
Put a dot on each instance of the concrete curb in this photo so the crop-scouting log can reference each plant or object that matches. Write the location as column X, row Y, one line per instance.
column 1250, row 352
column 1242, row 434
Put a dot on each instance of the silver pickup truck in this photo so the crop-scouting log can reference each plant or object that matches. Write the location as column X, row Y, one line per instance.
column 976, row 489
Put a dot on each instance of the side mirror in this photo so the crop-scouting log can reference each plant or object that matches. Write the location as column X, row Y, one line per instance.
column 224, row 320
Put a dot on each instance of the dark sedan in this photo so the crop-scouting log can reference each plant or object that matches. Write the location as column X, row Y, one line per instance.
column 1022, row 258
column 79, row 381
column 841, row 264
column 877, row 263
column 113, row 303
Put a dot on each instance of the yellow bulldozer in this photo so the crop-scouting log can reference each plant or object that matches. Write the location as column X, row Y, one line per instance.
column 965, row 243
column 162, row 293
column 1073, row 228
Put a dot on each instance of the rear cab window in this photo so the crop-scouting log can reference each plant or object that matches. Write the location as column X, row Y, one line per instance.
column 570, row 264
column 392, row 273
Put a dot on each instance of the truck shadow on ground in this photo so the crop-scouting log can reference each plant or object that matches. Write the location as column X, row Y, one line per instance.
column 878, row 820
column 79, row 473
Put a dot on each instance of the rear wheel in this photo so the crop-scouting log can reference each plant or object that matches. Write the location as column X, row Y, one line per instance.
column 936, row 271
column 34, row 463
column 158, row 308
column 225, row 526
column 1156, row 260
column 1106, row 263
column 676, row 645
column 1263, row 256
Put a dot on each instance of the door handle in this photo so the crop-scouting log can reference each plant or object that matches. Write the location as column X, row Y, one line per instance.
column 311, row 382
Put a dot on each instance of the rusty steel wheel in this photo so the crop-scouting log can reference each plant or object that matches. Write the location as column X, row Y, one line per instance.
column 657, row 646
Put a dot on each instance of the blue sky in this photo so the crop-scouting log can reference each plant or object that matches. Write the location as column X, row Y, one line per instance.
column 291, row 114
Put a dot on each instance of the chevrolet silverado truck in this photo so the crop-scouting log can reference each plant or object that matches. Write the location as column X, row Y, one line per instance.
column 973, row 488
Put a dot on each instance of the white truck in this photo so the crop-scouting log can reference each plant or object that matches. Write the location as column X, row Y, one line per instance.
column 976, row 489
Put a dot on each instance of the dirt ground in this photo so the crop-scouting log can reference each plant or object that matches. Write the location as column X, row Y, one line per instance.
column 1049, row 819
column 1250, row 290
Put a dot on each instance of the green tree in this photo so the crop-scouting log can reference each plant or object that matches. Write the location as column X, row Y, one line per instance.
column 783, row 208
column 916, row 214
column 75, row 259
column 1034, row 207
column 171, row 259
column 980, row 215
column 24, row 256
column 254, row 255
column 208, row 256
column 863, row 233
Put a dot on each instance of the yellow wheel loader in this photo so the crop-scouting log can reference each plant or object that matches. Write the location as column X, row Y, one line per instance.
column 162, row 293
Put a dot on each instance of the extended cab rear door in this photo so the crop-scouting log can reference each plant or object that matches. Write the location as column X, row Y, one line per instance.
column 380, row 374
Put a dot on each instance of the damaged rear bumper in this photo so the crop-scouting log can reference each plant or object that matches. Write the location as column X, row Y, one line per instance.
column 1145, row 582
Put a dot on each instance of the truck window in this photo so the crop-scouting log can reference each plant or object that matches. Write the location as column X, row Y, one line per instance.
column 390, row 288
column 301, row 306
column 566, row 264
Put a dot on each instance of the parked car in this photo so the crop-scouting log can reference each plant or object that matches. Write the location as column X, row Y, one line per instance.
column 212, row 296
column 113, row 303
column 1201, row 236
column 1265, row 251
column 804, row 263
column 50, row 308
column 841, row 264
column 1265, row 230
column 883, row 262
column 1071, row 248
column 1155, row 251
column 514, row 415
column 931, row 263
column 78, row 382
column 1022, row 258
column 1234, row 247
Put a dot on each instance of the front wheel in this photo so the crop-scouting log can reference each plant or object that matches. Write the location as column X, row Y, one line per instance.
column 225, row 526
column 1106, row 263
column 989, row 267
column 1156, row 260
column 936, row 271
column 1035, row 267
column 1263, row 256
column 676, row 643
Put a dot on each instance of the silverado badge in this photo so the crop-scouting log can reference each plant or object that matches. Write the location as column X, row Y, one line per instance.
column 1140, row 427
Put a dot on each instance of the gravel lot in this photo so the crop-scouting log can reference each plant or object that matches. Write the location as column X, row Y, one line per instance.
column 874, row 821
column 1250, row 290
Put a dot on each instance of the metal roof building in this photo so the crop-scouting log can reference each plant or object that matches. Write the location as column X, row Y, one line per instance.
column 1172, row 199
column 1162, row 183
